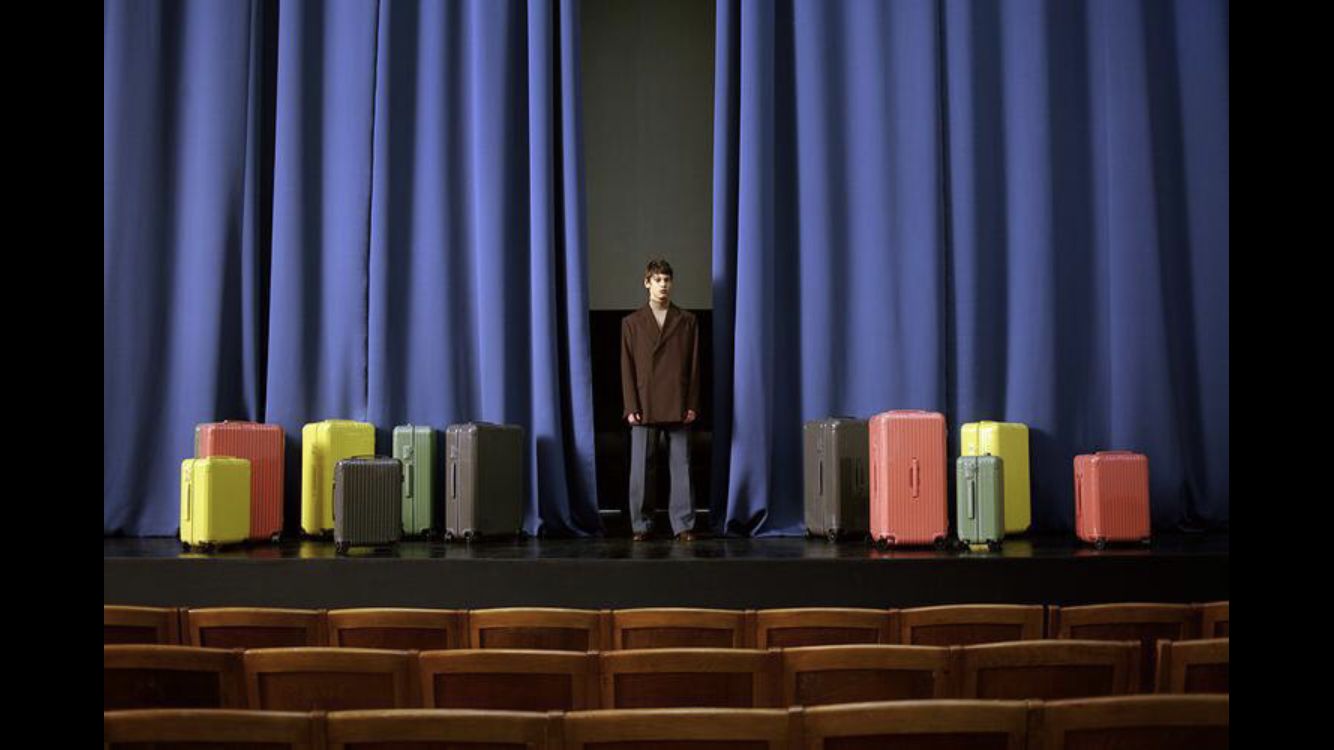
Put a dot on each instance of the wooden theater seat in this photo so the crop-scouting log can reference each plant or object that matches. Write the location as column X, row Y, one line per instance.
column 680, row 627
column 1135, row 722
column 916, row 725
column 790, row 628
column 690, row 678
column 1193, row 666
column 969, row 624
column 439, row 728
column 820, row 675
column 1213, row 619
column 499, row 679
column 160, row 625
column 398, row 629
column 1146, row 623
column 154, row 676
column 330, row 679
column 684, row 728
column 538, row 628
column 1047, row 670
column 254, row 627
column 164, row 729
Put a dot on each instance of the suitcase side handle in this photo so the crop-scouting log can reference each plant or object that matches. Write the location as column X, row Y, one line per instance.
column 972, row 498
column 915, row 477
column 820, row 487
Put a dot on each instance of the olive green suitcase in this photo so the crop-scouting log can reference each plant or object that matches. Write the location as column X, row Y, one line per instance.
column 215, row 501
column 980, row 492
column 414, row 445
column 323, row 445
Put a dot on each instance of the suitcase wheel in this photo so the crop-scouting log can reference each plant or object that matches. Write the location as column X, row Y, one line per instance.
column 882, row 544
column 1146, row 541
column 994, row 546
column 185, row 546
column 470, row 535
column 809, row 534
column 275, row 537
column 1100, row 543
column 341, row 548
column 831, row 535
column 939, row 542
column 448, row 536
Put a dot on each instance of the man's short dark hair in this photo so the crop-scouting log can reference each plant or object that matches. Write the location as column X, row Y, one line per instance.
column 656, row 266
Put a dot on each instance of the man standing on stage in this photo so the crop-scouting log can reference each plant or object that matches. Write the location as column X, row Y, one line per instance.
column 660, row 386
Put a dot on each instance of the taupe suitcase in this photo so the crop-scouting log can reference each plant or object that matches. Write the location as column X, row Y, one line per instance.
column 834, row 470
column 483, row 480
column 368, row 502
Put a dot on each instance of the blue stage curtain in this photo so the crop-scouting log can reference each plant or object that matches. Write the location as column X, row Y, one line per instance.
column 425, row 262
column 1013, row 211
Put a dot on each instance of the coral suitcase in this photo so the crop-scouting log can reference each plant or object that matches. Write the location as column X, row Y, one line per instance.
column 834, row 460
column 1112, row 497
column 215, row 501
column 1009, row 441
column 980, row 500
column 261, row 445
column 324, row 444
column 414, row 445
column 483, row 480
column 367, row 502
column 908, row 485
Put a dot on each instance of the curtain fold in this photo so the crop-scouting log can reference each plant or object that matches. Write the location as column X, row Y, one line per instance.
column 426, row 262
column 1012, row 211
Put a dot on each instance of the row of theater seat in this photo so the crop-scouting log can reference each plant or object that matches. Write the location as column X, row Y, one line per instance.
column 1198, row 722
column 611, row 630
column 323, row 678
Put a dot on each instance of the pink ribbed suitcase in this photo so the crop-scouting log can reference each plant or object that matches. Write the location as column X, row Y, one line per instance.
column 1112, row 497
column 262, row 445
column 908, row 484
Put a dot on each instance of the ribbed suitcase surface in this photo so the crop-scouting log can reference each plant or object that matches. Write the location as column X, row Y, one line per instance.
column 1112, row 497
column 215, row 501
column 835, row 477
column 908, row 484
column 483, row 480
column 414, row 445
column 262, row 445
column 323, row 445
column 980, row 499
column 1009, row 441
column 367, row 501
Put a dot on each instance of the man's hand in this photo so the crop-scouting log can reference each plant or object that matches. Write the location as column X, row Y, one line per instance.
column 633, row 418
column 690, row 416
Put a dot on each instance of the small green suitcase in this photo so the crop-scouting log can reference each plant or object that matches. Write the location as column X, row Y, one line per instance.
column 980, row 491
column 414, row 445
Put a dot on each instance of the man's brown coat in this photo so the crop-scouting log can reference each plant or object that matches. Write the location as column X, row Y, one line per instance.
column 660, row 370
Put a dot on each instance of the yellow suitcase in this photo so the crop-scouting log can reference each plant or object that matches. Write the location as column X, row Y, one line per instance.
column 215, row 501
column 1009, row 441
column 324, row 444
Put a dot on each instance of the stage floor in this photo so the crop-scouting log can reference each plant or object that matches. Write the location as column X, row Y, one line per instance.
column 616, row 572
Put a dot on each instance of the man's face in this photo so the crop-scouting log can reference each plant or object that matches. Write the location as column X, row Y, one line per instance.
column 659, row 287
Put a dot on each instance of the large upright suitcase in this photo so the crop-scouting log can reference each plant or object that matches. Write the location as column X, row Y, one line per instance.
column 483, row 480
column 215, row 501
column 908, row 484
column 414, row 445
column 1009, row 441
column 980, row 506
column 261, row 445
column 1112, row 497
column 367, row 502
column 834, row 470
column 324, row 444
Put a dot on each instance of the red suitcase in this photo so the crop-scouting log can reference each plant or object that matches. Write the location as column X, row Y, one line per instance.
column 262, row 444
column 1112, row 497
column 908, row 490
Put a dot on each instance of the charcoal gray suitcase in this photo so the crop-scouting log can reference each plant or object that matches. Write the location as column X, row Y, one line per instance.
column 414, row 445
column 980, row 502
column 836, row 493
column 483, row 480
column 368, row 499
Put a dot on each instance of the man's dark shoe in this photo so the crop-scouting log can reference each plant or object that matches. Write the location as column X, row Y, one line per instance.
column 686, row 536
